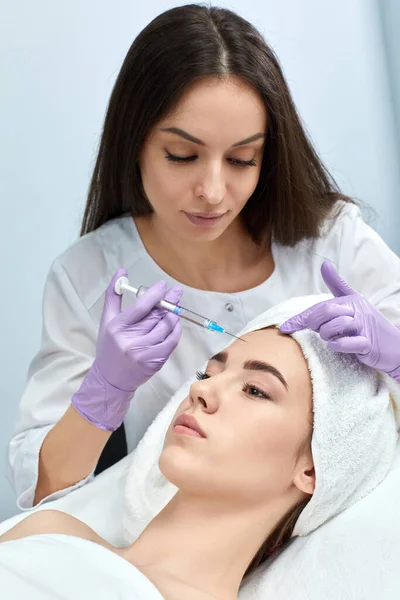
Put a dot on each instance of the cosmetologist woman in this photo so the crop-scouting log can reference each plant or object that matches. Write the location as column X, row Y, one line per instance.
column 205, row 180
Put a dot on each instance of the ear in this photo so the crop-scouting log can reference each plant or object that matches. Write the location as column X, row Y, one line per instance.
column 304, row 478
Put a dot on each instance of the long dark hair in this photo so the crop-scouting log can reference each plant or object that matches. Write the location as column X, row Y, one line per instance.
column 295, row 192
column 278, row 538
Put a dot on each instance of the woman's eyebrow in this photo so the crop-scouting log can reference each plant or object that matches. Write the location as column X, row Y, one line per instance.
column 254, row 365
column 195, row 140
column 220, row 357
column 258, row 365
column 250, row 139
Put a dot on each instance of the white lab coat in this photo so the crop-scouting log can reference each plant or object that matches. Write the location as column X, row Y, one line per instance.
column 73, row 301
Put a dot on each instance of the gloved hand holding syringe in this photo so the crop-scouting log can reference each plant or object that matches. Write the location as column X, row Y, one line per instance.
column 122, row 285
column 132, row 345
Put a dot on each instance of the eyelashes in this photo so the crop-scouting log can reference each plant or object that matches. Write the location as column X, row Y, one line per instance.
column 236, row 162
column 248, row 388
column 179, row 159
column 255, row 392
column 242, row 163
column 200, row 375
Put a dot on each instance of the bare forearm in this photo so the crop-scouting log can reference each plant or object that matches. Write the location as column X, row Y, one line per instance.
column 70, row 452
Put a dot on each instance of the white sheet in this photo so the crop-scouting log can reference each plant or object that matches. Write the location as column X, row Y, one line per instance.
column 98, row 504
column 46, row 567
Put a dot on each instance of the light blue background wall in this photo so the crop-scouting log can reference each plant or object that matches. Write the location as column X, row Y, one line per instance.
column 58, row 64
column 390, row 18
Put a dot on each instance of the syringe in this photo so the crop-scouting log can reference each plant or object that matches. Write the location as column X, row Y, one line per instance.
column 122, row 285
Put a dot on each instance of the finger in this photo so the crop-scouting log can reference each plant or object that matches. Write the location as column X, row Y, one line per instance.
column 351, row 345
column 324, row 312
column 163, row 349
column 150, row 321
column 160, row 331
column 297, row 322
column 171, row 342
column 174, row 294
column 143, row 305
column 342, row 325
column 112, row 300
column 337, row 285
column 317, row 315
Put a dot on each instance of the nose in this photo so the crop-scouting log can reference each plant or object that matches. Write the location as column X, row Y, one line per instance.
column 211, row 187
column 204, row 392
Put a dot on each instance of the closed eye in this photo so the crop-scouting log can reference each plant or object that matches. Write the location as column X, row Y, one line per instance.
column 179, row 159
column 235, row 162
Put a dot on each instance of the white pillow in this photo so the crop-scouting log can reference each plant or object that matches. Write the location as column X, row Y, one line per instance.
column 355, row 556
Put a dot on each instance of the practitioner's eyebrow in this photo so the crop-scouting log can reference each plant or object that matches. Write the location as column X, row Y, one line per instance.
column 254, row 365
column 188, row 136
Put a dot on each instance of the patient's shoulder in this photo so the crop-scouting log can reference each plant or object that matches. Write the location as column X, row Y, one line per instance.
column 52, row 521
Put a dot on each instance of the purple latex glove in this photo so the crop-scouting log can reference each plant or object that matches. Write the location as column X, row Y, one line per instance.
column 132, row 345
column 351, row 324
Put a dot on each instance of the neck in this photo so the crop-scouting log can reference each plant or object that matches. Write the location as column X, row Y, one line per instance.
column 204, row 545
column 216, row 265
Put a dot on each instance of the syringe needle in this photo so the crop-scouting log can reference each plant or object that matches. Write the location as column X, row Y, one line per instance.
column 235, row 336
column 122, row 284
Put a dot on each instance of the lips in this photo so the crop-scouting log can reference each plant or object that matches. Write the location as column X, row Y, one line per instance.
column 206, row 215
column 187, row 424
column 204, row 219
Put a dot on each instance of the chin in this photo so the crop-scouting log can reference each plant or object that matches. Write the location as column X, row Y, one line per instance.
column 171, row 465
column 189, row 234
column 179, row 467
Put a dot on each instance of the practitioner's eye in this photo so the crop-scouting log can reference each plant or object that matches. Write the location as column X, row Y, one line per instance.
column 254, row 391
column 236, row 162
column 179, row 159
column 200, row 375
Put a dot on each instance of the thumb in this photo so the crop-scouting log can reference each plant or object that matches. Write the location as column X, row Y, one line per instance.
column 112, row 300
column 337, row 285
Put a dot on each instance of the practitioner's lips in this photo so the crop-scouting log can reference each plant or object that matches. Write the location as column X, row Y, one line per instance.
column 205, row 219
column 187, row 425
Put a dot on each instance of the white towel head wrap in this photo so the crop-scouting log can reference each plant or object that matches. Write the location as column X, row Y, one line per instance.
column 353, row 442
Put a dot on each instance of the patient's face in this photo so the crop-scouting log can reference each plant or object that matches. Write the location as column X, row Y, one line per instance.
column 253, row 405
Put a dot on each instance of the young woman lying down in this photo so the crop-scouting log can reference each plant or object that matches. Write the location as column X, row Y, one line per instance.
column 277, row 435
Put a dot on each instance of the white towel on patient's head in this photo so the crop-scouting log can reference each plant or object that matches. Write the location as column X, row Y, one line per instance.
column 353, row 442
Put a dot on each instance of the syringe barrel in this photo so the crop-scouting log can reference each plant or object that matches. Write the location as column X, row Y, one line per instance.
column 193, row 318
column 182, row 312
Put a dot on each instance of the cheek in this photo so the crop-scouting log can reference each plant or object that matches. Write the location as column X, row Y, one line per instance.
column 259, row 462
column 166, row 186
column 266, row 442
column 250, row 459
column 242, row 187
column 160, row 180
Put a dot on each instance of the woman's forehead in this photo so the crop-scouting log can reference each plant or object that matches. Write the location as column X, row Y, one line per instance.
column 269, row 345
column 212, row 98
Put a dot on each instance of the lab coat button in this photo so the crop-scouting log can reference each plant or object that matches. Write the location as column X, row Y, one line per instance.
column 229, row 307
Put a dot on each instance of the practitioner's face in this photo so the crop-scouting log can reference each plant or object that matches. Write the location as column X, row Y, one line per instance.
column 205, row 157
column 254, row 405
